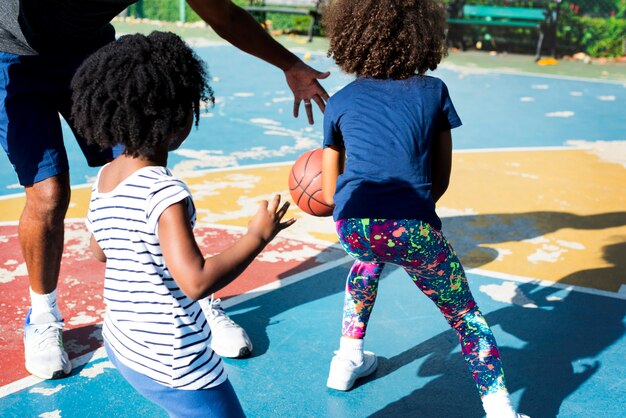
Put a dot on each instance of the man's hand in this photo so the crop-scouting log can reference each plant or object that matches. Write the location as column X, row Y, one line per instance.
column 302, row 81
column 238, row 27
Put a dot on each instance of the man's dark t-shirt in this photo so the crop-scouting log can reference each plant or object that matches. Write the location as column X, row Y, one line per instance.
column 58, row 27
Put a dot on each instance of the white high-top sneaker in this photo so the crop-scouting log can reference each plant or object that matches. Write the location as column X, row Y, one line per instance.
column 228, row 338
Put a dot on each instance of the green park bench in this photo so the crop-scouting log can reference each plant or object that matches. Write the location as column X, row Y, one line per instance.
column 260, row 8
column 542, row 19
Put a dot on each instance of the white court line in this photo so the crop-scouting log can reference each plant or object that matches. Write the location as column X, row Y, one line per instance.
column 260, row 291
column 25, row 383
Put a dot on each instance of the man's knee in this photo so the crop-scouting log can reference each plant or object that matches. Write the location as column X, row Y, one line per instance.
column 49, row 198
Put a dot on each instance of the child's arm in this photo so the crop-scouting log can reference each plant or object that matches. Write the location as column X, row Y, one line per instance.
column 441, row 163
column 332, row 167
column 199, row 277
column 96, row 250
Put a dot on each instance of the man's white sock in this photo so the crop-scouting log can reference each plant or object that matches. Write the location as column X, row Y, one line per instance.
column 351, row 349
column 42, row 304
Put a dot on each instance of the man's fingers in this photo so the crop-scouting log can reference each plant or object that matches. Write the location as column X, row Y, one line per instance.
column 296, row 107
column 320, row 99
column 322, row 92
column 323, row 75
column 320, row 102
column 308, row 106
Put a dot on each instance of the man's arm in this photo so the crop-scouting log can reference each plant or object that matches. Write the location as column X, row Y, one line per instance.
column 238, row 27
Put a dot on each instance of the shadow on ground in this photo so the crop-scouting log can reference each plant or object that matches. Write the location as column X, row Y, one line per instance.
column 557, row 339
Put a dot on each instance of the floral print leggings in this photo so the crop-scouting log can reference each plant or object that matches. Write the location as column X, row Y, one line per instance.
column 432, row 264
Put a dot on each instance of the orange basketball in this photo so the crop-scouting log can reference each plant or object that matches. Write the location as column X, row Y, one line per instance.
column 305, row 184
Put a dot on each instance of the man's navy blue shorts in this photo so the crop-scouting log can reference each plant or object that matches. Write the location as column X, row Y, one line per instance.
column 34, row 90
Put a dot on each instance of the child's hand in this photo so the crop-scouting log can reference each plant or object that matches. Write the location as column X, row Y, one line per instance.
column 267, row 221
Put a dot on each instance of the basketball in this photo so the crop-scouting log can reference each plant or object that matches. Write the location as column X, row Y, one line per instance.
column 305, row 184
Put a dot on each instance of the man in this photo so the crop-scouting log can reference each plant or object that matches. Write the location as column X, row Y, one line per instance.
column 42, row 43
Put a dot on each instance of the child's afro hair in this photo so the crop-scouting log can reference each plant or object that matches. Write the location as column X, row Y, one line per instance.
column 386, row 38
column 137, row 91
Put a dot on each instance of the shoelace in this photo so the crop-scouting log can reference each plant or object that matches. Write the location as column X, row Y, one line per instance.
column 48, row 335
column 218, row 314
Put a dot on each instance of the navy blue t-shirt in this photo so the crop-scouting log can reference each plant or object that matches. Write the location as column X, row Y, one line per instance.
column 386, row 128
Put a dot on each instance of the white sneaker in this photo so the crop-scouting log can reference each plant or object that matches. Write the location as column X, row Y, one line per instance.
column 344, row 372
column 228, row 338
column 43, row 348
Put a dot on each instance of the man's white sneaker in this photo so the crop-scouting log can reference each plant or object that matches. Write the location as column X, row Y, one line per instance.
column 43, row 347
column 228, row 338
column 344, row 372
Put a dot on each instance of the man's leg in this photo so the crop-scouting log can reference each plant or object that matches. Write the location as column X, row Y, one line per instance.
column 41, row 231
column 31, row 88
column 41, row 238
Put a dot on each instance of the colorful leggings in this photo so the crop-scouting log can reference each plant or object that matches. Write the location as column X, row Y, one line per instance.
column 433, row 266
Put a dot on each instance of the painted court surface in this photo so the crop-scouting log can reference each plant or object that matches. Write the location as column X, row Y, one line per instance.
column 536, row 210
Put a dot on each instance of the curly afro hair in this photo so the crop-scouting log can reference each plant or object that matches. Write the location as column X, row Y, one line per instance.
column 386, row 38
column 137, row 91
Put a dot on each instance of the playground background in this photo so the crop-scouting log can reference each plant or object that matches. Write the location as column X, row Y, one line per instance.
column 535, row 211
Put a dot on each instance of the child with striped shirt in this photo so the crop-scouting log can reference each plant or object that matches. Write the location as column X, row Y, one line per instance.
column 146, row 97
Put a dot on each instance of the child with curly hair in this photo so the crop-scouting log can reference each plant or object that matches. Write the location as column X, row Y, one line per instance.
column 386, row 161
column 144, row 93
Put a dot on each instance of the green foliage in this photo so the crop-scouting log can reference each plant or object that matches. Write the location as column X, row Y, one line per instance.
column 168, row 10
column 598, row 8
column 598, row 37
column 281, row 21
column 165, row 10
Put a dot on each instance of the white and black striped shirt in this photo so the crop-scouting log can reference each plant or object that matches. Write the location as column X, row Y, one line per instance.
column 150, row 324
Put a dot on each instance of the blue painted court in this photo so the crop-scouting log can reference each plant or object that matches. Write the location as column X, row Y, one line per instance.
column 536, row 212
